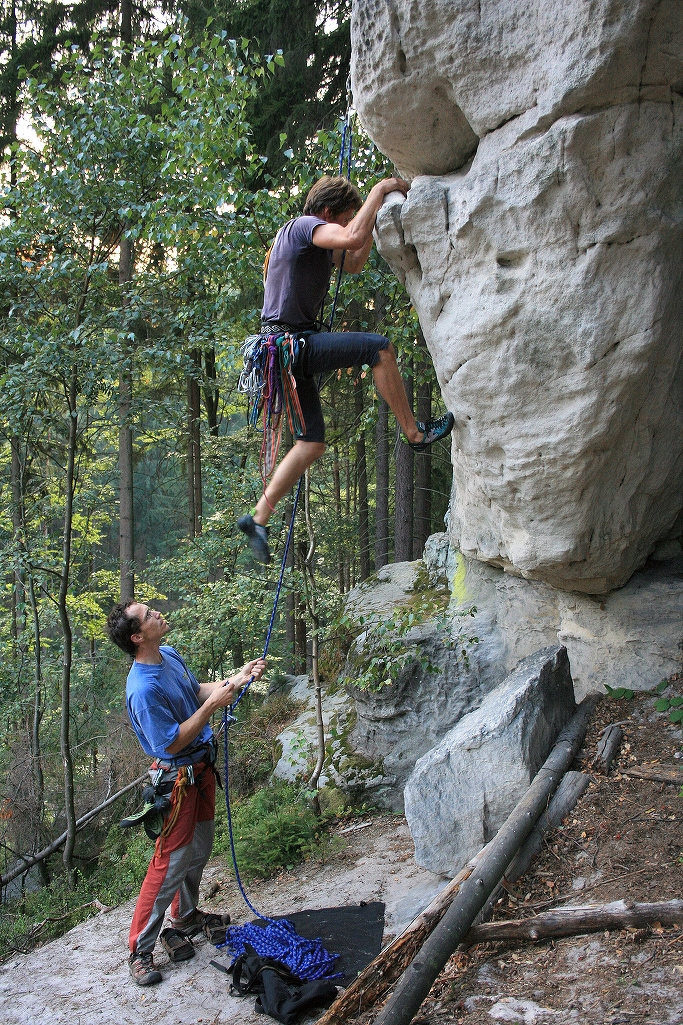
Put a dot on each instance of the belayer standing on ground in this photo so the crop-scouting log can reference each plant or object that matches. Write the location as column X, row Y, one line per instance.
column 170, row 713
column 335, row 221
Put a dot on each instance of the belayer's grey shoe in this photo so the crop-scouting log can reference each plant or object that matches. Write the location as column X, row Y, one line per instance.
column 143, row 970
column 257, row 536
column 433, row 430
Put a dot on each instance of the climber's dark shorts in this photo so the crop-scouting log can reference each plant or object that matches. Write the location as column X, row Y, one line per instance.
column 330, row 351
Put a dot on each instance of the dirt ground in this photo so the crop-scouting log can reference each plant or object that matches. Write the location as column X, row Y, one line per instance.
column 622, row 841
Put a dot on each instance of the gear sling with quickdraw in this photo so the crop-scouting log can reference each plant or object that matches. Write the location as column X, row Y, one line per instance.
column 163, row 797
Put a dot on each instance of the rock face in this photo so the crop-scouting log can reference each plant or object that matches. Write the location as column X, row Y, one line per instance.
column 432, row 78
column 399, row 723
column 632, row 638
column 461, row 792
column 544, row 256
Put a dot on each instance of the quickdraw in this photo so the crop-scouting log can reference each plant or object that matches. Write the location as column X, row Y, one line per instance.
column 268, row 379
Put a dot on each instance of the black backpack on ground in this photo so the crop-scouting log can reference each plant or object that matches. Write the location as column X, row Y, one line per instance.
column 281, row 995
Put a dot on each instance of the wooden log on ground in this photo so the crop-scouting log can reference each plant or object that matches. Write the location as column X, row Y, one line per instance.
column 417, row 980
column 390, row 963
column 571, row 788
column 619, row 914
column 608, row 745
column 656, row 773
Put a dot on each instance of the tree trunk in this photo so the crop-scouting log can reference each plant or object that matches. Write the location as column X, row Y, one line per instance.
column 347, row 513
column 619, row 914
column 336, row 477
column 67, row 640
column 18, row 591
column 403, row 513
column 126, row 521
column 126, row 265
column 312, row 604
column 382, row 486
column 36, row 752
column 194, row 453
column 300, row 639
column 362, row 478
column 211, row 391
column 423, row 473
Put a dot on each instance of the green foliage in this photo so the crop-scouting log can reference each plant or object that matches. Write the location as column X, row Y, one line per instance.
column 254, row 749
column 272, row 830
column 155, row 145
column 619, row 693
column 43, row 914
column 387, row 648
column 672, row 704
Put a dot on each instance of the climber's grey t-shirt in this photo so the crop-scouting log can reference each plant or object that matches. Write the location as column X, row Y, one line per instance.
column 298, row 276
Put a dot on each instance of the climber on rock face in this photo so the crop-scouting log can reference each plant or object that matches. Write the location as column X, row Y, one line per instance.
column 336, row 224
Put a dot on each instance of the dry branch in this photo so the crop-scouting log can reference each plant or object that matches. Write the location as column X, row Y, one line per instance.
column 607, row 747
column 390, row 963
column 619, row 914
column 657, row 773
column 417, row 980
column 27, row 861
column 572, row 787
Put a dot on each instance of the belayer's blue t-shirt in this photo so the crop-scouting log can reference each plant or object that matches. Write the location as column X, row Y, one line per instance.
column 159, row 698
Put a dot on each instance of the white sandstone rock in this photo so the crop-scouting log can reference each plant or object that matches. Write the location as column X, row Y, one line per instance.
column 630, row 638
column 547, row 272
column 548, row 283
column 432, row 78
column 461, row 791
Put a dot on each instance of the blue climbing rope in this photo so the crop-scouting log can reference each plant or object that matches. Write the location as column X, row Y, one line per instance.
column 345, row 155
column 228, row 716
column 305, row 958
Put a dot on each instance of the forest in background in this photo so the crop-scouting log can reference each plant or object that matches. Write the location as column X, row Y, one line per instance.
column 149, row 156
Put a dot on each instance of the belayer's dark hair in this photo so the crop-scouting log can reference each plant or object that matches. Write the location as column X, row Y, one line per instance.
column 337, row 194
column 121, row 626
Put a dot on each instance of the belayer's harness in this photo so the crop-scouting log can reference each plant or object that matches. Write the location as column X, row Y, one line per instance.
column 169, row 784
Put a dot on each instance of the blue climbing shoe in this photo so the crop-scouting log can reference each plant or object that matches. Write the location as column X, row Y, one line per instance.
column 433, row 430
column 257, row 536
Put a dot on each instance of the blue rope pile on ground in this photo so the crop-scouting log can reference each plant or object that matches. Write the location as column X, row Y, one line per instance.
column 307, row 959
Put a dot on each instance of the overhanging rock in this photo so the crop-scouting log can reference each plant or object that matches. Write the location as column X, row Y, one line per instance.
column 541, row 244
column 461, row 791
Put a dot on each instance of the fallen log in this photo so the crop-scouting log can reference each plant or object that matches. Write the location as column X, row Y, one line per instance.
column 619, row 914
column 607, row 747
column 417, row 980
column 572, row 787
column 378, row 976
column 656, row 773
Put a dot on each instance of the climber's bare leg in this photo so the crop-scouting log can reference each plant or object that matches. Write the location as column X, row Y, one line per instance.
column 389, row 384
column 302, row 455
